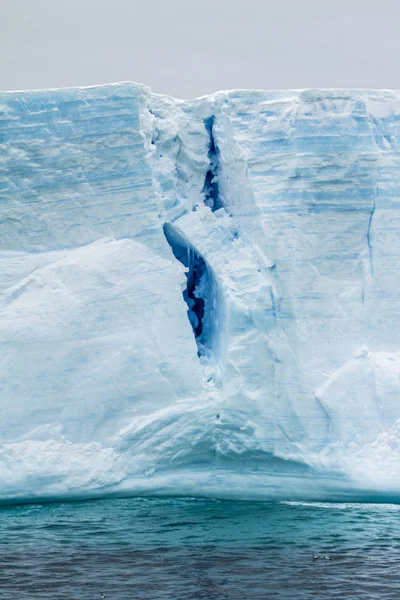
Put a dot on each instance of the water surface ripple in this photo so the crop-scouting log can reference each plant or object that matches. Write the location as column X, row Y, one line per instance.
column 181, row 548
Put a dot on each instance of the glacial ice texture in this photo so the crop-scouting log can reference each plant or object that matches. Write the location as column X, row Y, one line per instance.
column 200, row 297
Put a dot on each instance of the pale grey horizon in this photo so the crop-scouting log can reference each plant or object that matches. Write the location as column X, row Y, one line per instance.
column 188, row 48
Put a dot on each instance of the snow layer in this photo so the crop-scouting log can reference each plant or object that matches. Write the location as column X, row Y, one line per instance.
column 200, row 297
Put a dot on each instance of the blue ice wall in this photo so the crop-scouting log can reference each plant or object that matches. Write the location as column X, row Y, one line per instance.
column 199, row 297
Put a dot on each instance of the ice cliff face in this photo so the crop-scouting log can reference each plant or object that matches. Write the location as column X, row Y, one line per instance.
column 200, row 297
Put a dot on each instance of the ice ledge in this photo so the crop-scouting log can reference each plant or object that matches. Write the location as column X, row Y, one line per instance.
column 307, row 92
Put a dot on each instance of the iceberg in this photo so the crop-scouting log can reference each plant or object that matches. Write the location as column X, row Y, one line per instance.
column 200, row 297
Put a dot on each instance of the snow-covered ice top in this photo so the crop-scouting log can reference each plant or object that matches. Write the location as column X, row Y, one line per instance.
column 201, row 296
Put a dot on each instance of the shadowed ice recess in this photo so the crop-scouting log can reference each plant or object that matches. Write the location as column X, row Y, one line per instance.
column 200, row 297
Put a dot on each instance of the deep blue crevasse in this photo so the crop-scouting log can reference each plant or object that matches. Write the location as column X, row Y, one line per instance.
column 197, row 277
column 211, row 186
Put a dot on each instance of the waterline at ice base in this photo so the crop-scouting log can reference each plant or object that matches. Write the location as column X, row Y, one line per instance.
column 200, row 297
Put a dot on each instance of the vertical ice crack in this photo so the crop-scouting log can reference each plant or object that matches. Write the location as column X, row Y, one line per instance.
column 376, row 153
column 200, row 294
column 273, row 303
column 211, row 189
column 371, row 214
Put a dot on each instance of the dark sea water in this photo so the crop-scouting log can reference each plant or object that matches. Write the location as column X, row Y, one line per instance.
column 199, row 549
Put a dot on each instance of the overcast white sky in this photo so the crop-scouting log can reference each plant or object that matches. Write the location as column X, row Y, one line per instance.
column 191, row 47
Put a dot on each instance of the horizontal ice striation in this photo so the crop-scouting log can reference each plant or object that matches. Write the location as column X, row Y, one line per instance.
column 199, row 297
